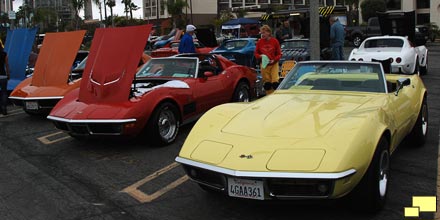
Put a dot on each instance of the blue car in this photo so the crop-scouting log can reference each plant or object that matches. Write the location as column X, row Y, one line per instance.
column 240, row 51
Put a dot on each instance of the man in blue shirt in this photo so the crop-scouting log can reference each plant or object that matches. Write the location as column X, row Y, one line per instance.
column 186, row 44
column 337, row 37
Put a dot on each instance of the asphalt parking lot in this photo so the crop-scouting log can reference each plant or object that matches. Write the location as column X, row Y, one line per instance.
column 45, row 174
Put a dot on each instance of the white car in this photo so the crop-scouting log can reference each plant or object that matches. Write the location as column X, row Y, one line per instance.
column 405, row 57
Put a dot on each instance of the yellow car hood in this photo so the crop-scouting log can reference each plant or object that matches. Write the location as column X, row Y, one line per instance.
column 295, row 116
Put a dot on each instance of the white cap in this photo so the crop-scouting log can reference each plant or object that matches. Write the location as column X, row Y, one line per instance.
column 190, row 27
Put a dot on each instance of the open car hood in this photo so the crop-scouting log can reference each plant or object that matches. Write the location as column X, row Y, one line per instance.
column 18, row 47
column 398, row 23
column 112, row 62
column 56, row 58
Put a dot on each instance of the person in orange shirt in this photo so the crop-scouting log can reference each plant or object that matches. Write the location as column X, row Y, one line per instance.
column 269, row 48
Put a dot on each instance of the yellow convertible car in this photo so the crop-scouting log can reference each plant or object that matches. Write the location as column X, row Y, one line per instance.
column 327, row 132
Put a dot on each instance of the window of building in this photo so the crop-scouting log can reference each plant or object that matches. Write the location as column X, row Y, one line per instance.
column 153, row 11
column 423, row 18
column 275, row 2
column 394, row 4
column 298, row 2
column 423, row 4
column 263, row 1
column 340, row 2
column 162, row 8
column 250, row 1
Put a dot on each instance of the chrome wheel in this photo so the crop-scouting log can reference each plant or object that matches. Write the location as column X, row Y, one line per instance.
column 241, row 93
column 424, row 119
column 167, row 124
column 384, row 170
column 357, row 41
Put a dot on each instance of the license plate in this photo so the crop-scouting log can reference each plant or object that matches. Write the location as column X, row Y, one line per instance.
column 31, row 105
column 242, row 188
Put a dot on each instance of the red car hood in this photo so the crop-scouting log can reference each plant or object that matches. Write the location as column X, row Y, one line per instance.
column 112, row 62
column 56, row 57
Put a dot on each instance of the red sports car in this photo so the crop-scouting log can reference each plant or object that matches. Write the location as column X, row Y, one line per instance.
column 53, row 76
column 172, row 48
column 164, row 93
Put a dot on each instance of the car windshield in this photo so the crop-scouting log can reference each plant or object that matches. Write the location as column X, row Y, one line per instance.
column 169, row 67
column 81, row 65
column 234, row 45
column 338, row 76
column 383, row 43
column 295, row 44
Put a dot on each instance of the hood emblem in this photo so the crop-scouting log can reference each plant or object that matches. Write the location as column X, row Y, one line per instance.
column 246, row 156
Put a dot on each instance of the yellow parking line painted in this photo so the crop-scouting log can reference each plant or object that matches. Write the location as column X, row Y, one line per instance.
column 143, row 197
column 45, row 139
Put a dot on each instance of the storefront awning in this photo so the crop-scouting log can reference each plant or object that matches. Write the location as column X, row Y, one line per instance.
column 324, row 11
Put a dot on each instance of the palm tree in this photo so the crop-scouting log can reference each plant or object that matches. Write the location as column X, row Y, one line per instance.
column 77, row 6
column 105, row 9
column 24, row 13
column 45, row 17
column 175, row 9
column 98, row 3
column 133, row 7
column 111, row 4
column 126, row 6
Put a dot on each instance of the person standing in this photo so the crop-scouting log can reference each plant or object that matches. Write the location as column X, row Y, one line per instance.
column 337, row 38
column 269, row 52
column 4, row 77
column 186, row 44
column 286, row 31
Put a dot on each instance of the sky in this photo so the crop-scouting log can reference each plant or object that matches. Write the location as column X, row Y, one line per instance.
column 118, row 9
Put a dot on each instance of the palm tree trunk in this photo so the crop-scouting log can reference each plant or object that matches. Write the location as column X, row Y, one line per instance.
column 105, row 10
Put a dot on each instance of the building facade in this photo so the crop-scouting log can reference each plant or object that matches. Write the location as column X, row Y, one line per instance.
column 204, row 11
column 198, row 12
column 62, row 7
column 426, row 10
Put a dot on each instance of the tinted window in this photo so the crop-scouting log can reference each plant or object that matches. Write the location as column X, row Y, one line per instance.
column 383, row 43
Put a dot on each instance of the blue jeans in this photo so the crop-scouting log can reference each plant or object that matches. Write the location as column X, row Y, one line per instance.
column 337, row 52
column 3, row 94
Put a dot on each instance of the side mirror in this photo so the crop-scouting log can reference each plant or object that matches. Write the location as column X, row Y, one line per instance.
column 208, row 74
column 402, row 82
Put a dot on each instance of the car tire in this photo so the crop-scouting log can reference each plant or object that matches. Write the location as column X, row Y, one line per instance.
column 424, row 69
column 163, row 126
column 357, row 40
column 416, row 68
column 241, row 93
column 371, row 192
column 419, row 132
